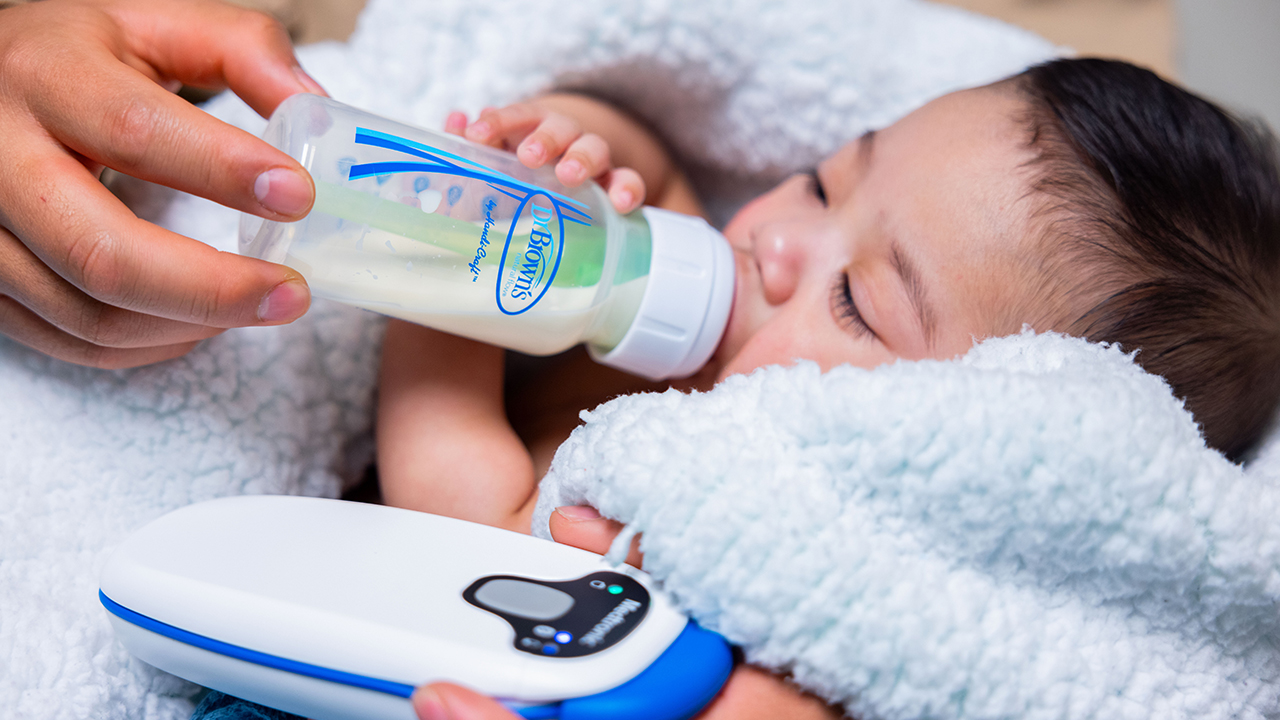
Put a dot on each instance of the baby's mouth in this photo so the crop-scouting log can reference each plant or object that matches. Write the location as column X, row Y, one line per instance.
column 742, row 264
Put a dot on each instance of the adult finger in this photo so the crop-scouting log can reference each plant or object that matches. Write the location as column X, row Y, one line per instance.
column 84, row 234
column 246, row 50
column 118, row 118
column 67, row 311
column 444, row 701
column 582, row 527
column 24, row 326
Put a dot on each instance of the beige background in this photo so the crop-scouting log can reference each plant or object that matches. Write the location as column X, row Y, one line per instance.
column 1141, row 31
column 1226, row 49
column 312, row 20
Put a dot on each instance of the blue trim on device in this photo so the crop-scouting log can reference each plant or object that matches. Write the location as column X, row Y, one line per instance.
column 537, row 712
column 675, row 687
column 257, row 658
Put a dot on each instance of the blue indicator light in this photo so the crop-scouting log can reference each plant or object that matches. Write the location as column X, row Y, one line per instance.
column 563, row 637
column 615, row 589
column 550, row 649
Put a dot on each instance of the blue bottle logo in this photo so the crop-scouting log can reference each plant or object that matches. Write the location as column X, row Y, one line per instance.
column 534, row 244
column 531, row 261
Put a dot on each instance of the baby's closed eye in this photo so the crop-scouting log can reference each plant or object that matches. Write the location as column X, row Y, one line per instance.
column 845, row 309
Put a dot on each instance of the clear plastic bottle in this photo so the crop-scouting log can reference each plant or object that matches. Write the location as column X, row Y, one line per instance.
column 436, row 230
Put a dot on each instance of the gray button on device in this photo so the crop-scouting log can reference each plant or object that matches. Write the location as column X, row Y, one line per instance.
column 544, row 631
column 526, row 599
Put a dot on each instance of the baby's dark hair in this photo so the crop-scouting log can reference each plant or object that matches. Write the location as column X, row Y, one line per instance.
column 1169, row 207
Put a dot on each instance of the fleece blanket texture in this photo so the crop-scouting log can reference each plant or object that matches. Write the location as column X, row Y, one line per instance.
column 745, row 92
column 1033, row 531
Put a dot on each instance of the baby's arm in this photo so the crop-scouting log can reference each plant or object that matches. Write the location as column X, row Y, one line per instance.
column 445, row 444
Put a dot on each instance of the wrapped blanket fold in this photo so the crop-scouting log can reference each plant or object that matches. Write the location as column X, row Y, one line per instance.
column 1034, row 531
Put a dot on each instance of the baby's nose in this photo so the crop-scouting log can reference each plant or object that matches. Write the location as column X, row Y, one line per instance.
column 779, row 257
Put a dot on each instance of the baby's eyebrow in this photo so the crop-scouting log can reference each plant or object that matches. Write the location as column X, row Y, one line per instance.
column 910, row 276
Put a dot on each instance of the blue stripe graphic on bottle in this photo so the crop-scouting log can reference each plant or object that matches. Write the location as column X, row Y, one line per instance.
column 529, row 264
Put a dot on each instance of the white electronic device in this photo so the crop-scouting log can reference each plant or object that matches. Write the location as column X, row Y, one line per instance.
column 337, row 610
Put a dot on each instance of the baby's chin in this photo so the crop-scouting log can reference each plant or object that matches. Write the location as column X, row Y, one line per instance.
column 718, row 367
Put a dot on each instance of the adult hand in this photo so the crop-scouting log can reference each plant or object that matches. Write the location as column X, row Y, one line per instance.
column 749, row 693
column 86, row 84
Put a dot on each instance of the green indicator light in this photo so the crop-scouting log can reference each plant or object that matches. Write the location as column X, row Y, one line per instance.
column 615, row 589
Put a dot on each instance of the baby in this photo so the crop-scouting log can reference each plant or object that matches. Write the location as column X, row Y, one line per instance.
column 1083, row 196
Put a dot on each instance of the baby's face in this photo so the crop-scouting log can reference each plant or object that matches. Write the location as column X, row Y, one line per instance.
column 913, row 253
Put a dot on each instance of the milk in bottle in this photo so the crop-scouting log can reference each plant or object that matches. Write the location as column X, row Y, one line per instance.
column 433, row 229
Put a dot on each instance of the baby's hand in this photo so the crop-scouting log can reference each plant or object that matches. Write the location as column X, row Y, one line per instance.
column 539, row 135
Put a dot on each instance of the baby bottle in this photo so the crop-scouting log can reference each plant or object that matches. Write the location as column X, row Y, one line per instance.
column 436, row 230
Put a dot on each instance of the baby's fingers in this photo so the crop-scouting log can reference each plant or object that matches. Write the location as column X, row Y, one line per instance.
column 625, row 188
column 582, row 527
column 505, row 127
column 549, row 140
column 456, row 123
column 536, row 135
column 586, row 157
column 540, row 136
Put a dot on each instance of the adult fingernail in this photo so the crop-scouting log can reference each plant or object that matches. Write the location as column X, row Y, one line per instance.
column 308, row 82
column 285, row 302
column 625, row 200
column 429, row 706
column 578, row 513
column 283, row 191
column 479, row 130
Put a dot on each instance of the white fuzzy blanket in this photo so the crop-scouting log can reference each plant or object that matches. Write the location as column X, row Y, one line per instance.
column 1034, row 531
column 746, row 91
